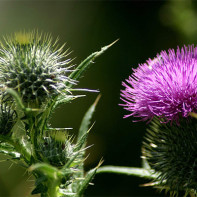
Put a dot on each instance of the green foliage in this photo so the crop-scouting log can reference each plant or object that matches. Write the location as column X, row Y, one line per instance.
column 33, row 74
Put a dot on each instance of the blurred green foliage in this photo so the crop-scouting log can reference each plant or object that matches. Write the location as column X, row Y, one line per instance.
column 144, row 28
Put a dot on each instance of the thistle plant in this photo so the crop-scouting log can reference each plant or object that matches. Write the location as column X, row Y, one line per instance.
column 163, row 92
column 36, row 77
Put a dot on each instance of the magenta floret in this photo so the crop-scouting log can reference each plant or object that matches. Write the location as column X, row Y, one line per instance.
column 165, row 87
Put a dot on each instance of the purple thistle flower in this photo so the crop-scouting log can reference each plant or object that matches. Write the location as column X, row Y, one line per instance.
column 165, row 86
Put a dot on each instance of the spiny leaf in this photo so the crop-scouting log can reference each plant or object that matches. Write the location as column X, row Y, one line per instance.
column 81, row 142
column 86, row 63
column 87, row 119
column 88, row 178
column 70, row 161
column 65, row 99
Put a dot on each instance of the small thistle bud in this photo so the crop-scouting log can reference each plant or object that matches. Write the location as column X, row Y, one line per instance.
column 7, row 119
column 171, row 152
column 55, row 150
column 34, row 66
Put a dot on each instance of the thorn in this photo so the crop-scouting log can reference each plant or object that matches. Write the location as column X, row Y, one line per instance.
column 111, row 44
column 29, row 177
column 103, row 49
column 91, row 127
column 25, row 172
column 97, row 100
column 100, row 163
column 148, row 184
column 10, row 166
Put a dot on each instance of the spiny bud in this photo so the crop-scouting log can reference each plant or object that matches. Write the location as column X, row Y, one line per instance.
column 171, row 151
column 7, row 119
column 55, row 150
column 34, row 66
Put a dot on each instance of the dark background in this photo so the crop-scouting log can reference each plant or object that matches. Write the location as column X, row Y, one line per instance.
column 144, row 29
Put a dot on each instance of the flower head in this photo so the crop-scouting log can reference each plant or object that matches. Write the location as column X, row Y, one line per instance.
column 34, row 66
column 56, row 151
column 165, row 87
column 171, row 153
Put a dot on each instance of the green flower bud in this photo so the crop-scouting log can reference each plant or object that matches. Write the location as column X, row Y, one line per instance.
column 56, row 152
column 171, row 151
column 8, row 118
column 34, row 66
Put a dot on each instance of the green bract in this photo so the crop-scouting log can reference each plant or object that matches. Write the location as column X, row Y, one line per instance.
column 8, row 118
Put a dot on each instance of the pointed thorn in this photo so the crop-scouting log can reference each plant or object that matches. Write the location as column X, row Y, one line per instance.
column 97, row 100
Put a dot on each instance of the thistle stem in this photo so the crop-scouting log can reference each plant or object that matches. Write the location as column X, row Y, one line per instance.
column 53, row 188
column 33, row 142
column 34, row 136
column 140, row 172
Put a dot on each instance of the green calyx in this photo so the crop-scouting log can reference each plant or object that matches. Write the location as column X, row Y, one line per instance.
column 34, row 66
column 170, row 150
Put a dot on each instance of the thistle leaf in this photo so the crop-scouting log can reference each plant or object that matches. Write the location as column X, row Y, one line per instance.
column 87, row 119
column 88, row 178
column 84, row 65
column 9, row 150
column 82, row 141
column 13, row 154
column 62, row 99
column 17, row 98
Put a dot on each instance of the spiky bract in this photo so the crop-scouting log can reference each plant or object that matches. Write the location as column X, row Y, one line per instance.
column 34, row 66
column 171, row 151
column 8, row 118
column 55, row 152
column 163, row 87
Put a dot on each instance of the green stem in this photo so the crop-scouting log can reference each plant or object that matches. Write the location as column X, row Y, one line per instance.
column 53, row 187
column 140, row 172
